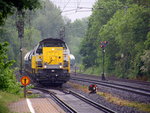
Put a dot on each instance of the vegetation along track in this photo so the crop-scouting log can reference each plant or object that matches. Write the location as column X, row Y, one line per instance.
column 141, row 91
column 73, row 102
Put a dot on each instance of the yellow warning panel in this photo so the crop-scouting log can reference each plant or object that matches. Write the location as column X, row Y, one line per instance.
column 53, row 55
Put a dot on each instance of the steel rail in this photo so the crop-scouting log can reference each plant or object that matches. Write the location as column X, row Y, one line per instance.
column 123, row 85
column 124, row 80
column 114, row 85
column 96, row 105
column 62, row 103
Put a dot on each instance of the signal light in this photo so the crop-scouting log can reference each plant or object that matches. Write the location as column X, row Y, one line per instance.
column 101, row 46
column 91, row 85
column 105, row 42
column 93, row 88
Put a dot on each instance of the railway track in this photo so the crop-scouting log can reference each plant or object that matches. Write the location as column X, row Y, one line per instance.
column 99, row 106
column 131, row 81
column 73, row 102
column 66, row 107
column 118, row 80
column 141, row 91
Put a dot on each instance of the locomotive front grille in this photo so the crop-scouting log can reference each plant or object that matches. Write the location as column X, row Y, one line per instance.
column 52, row 66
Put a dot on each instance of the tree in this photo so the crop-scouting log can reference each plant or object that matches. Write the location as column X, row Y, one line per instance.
column 48, row 20
column 125, row 25
column 8, row 7
column 7, row 78
column 129, row 31
column 146, row 60
column 75, row 33
column 102, row 13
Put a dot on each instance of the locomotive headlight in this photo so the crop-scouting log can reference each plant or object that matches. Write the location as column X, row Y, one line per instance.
column 45, row 66
column 60, row 66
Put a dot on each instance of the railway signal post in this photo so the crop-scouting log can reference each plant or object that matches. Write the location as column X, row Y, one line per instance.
column 103, row 44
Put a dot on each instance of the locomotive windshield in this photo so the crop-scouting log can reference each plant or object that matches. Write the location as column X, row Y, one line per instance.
column 51, row 44
column 54, row 44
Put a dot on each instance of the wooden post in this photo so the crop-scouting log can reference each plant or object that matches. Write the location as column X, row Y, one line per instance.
column 25, row 88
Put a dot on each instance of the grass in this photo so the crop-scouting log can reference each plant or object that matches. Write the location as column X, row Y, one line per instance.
column 5, row 100
column 32, row 95
column 83, row 88
column 115, row 100
column 140, row 106
column 93, row 71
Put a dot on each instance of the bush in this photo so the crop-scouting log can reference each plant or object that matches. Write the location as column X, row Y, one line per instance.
column 7, row 78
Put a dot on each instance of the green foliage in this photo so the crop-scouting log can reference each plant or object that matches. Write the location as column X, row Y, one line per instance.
column 31, row 38
column 146, row 62
column 99, row 17
column 48, row 20
column 5, row 100
column 7, row 78
column 75, row 33
column 8, row 7
column 9, row 34
column 147, row 42
column 127, row 31
column 145, row 3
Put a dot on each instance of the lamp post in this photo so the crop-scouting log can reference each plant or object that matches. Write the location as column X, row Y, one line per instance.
column 103, row 44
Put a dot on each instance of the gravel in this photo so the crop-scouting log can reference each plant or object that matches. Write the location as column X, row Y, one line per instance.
column 118, row 93
column 135, row 83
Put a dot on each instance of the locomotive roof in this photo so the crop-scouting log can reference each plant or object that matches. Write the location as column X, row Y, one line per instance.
column 51, row 39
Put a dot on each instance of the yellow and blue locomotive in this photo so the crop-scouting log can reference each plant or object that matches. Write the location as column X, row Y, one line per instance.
column 49, row 62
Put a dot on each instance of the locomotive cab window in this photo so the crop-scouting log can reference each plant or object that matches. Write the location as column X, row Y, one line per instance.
column 39, row 49
column 30, row 55
column 54, row 44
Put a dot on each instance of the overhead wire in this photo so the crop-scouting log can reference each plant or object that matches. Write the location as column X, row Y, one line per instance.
column 66, row 5
column 73, row 11
column 78, row 4
column 77, row 9
column 69, row 10
column 61, row 11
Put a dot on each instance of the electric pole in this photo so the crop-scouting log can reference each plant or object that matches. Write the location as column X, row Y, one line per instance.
column 20, row 28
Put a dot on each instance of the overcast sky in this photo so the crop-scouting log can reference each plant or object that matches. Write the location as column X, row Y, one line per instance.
column 75, row 9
